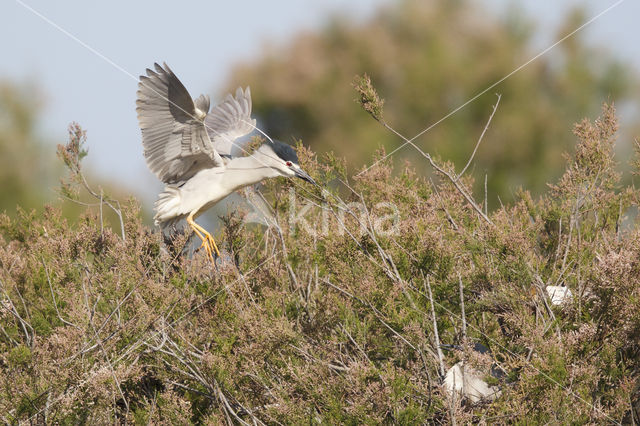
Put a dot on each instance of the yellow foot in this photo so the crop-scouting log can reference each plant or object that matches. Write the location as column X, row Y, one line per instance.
column 208, row 243
column 208, row 250
column 210, row 247
column 212, row 243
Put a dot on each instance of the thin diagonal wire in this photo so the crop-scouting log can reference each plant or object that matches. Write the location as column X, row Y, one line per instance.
column 115, row 65
column 418, row 135
column 121, row 69
column 543, row 52
column 74, row 38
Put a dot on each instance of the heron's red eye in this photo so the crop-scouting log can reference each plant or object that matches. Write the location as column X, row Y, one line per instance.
column 289, row 164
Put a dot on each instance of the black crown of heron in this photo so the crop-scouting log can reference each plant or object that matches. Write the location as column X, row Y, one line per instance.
column 189, row 148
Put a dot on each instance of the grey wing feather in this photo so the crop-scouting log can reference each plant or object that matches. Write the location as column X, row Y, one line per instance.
column 176, row 144
column 202, row 103
column 230, row 120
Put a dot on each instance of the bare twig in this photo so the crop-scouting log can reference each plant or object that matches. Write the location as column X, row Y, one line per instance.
column 449, row 218
column 29, row 338
column 495, row 107
column 464, row 318
column 376, row 312
column 486, row 200
column 228, row 407
column 55, row 304
column 117, row 210
column 452, row 178
column 345, row 331
column 292, row 275
column 452, row 405
column 72, row 154
column 543, row 294
column 435, row 328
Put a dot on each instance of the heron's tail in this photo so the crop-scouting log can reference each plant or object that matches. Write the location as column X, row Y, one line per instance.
column 167, row 207
column 169, row 218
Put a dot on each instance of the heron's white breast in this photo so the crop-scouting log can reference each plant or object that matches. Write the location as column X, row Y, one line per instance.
column 207, row 187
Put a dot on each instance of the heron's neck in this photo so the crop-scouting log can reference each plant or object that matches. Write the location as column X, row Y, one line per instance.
column 243, row 171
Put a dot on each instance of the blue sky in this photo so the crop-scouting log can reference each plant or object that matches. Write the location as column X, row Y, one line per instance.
column 201, row 41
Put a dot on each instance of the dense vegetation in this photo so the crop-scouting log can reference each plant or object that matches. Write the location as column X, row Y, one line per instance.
column 23, row 173
column 332, row 320
column 429, row 59
column 326, row 310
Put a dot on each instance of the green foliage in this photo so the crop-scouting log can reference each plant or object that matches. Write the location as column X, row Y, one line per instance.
column 19, row 356
column 426, row 59
column 23, row 174
column 368, row 97
column 28, row 169
column 71, row 155
column 330, row 321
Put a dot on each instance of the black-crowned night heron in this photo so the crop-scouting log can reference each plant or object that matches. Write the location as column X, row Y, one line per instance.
column 464, row 380
column 189, row 149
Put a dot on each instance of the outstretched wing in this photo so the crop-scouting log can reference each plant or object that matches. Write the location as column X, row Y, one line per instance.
column 176, row 144
column 230, row 120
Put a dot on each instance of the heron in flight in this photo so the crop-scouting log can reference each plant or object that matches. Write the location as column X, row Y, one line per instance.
column 189, row 148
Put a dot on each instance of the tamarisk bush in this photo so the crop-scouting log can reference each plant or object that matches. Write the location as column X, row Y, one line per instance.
column 331, row 314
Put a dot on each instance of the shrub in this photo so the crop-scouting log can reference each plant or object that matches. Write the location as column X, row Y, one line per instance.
column 329, row 317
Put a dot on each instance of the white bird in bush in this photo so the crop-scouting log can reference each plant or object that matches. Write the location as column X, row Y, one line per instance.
column 559, row 295
column 189, row 149
column 467, row 382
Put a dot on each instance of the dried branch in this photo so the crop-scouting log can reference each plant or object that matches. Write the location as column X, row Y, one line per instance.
column 464, row 318
column 495, row 107
column 450, row 176
column 55, row 304
column 29, row 337
column 368, row 96
column 72, row 154
column 435, row 327
column 371, row 102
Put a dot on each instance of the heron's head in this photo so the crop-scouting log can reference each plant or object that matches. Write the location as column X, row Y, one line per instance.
column 284, row 160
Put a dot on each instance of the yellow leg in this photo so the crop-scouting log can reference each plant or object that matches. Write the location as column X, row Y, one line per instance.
column 208, row 242
column 206, row 246
column 209, row 237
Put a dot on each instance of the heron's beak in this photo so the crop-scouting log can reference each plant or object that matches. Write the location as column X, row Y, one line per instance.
column 304, row 176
